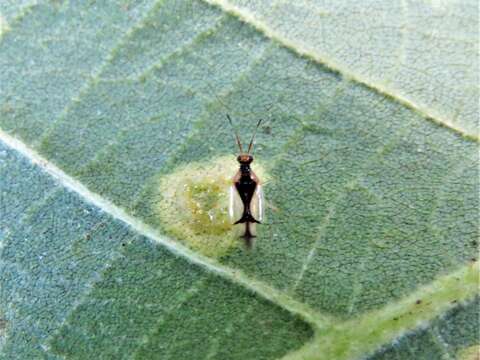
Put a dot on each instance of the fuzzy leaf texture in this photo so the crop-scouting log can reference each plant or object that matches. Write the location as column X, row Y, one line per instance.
column 370, row 142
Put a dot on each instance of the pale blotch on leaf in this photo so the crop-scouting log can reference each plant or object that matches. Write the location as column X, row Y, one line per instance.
column 3, row 25
column 193, row 205
column 470, row 353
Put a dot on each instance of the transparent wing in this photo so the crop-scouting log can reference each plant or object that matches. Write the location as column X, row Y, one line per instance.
column 235, row 206
column 257, row 206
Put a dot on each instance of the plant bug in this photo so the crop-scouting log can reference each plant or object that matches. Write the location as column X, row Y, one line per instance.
column 246, row 205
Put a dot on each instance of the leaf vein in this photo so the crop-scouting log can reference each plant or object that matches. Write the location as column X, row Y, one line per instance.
column 307, row 51
column 94, row 76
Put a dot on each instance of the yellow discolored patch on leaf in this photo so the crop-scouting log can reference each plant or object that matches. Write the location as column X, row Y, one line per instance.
column 192, row 204
column 3, row 25
column 470, row 353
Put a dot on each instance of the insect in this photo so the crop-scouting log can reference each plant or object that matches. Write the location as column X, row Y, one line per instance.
column 246, row 196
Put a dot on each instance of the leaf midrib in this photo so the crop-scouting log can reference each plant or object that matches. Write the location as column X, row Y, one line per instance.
column 316, row 319
column 235, row 276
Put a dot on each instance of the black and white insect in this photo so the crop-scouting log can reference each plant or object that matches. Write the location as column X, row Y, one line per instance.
column 246, row 206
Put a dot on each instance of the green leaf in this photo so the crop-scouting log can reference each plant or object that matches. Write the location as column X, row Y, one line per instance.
column 369, row 150
column 425, row 54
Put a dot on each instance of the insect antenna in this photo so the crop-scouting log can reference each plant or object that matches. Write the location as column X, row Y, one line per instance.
column 236, row 134
column 253, row 136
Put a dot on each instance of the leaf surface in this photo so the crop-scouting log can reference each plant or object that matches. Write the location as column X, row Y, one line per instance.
column 373, row 190
column 422, row 53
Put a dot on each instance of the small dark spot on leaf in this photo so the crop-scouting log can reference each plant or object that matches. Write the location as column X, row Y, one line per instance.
column 473, row 259
column 395, row 318
column 454, row 301
column 474, row 243
column 267, row 130
column 123, row 244
column 418, row 302
column 87, row 237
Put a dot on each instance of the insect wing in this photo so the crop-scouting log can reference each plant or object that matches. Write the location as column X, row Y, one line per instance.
column 235, row 206
column 257, row 206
